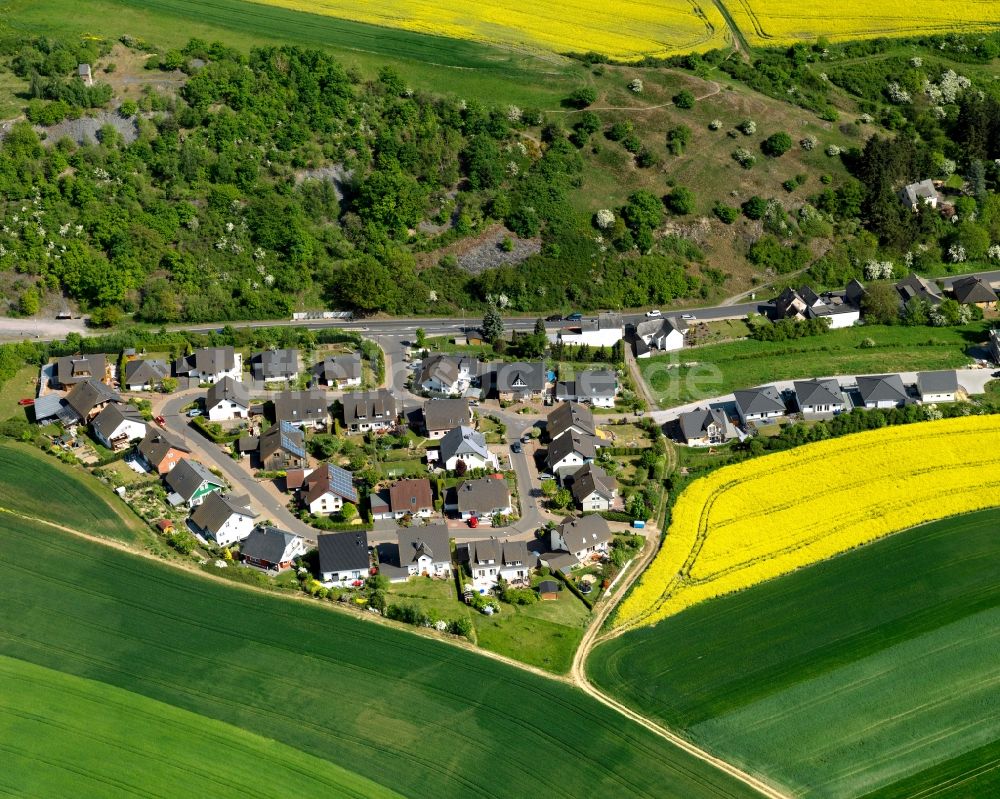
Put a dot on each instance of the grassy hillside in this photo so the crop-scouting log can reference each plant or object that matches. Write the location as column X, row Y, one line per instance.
column 723, row 368
column 876, row 667
column 414, row 715
column 36, row 484
column 150, row 744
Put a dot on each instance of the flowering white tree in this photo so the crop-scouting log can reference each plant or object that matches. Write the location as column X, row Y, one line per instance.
column 897, row 94
column 513, row 113
column 956, row 253
column 833, row 150
column 808, row 142
column 747, row 127
column 916, row 62
column 635, row 85
column 605, row 218
column 715, row 124
column 878, row 270
column 993, row 253
column 744, row 157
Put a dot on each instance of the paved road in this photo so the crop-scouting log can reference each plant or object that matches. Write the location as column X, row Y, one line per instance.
column 266, row 503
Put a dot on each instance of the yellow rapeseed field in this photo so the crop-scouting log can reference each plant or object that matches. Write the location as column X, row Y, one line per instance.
column 628, row 29
column 754, row 521
column 767, row 22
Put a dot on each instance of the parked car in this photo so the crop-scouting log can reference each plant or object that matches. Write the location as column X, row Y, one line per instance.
column 160, row 421
column 26, row 401
column 544, row 476
column 653, row 314
column 526, row 438
column 195, row 412
column 688, row 316
column 516, row 447
column 575, row 317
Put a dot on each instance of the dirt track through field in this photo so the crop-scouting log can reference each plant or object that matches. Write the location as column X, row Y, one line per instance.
column 577, row 675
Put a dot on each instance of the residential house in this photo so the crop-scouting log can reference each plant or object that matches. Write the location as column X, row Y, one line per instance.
column 226, row 400
column 939, row 386
column 665, row 334
column 411, row 497
column 210, row 365
column 51, row 407
column 340, row 371
column 759, row 404
column 792, row 304
column 917, row 195
column 854, row 293
column 302, row 409
column 994, row 345
column 593, row 488
column 160, row 452
column 89, row 397
column 519, row 382
column 915, row 287
column 569, row 452
column 272, row 549
column 275, row 365
column 837, row 311
column 704, row 427
column 282, row 446
column 369, row 410
column 973, row 290
column 73, row 369
column 482, row 498
column 442, row 415
column 597, row 387
column 583, row 538
column 448, row 374
column 190, row 482
column 327, row 488
column 466, row 445
column 819, row 398
column 224, row 518
column 145, row 374
column 490, row 559
column 882, row 391
column 570, row 417
column 119, row 425
column 419, row 552
column 344, row 558
column 605, row 331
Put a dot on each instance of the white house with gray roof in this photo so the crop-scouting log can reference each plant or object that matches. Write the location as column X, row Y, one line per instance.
column 569, row 452
column 226, row 400
column 145, row 374
column 939, row 386
column 210, row 365
column 570, row 417
column 704, row 427
column 339, row 371
column 666, row 334
column 466, row 445
column 442, row 415
column 271, row 549
column 597, row 387
column 190, row 482
column 492, row 558
column 882, row 391
column 224, row 518
column 447, row 374
column 275, row 365
column 518, row 382
column 419, row 552
column 820, row 398
column 759, row 404
column 118, row 425
column 483, row 498
column 593, row 488
column 583, row 538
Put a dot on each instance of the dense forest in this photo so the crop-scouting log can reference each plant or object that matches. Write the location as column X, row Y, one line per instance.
column 279, row 180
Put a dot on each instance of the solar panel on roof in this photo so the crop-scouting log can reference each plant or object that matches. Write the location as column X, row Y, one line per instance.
column 341, row 482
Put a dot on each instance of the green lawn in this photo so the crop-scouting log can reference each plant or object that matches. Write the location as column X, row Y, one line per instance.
column 37, row 484
column 112, row 741
column 435, row 63
column 415, row 715
column 875, row 671
column 21, row 385
column 722, row 368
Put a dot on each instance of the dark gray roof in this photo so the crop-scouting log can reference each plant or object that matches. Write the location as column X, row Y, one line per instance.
column 592, row 478
column 282, row 436
column 915, row 286
column 939, row 382
column 267, row 544
column 693, row 424
column 500, row 552
column 923, row 190
column 207, row 361
column 568, row 415
column 340, row 367
column 432, row 540
column 145, row 372
column 369, row 406
column 664, row 325
column 446, row 368
column 156, row 444
column 882, row 388
column 344, row 551
column 518, row 377
column 483, row 494
column 211, row 514
column 548, row 587
column 587, row 531
column 570, row 442
column 764, row 399
column 187, row 477
column 596, row 383
column 818, row 392
column 48, row 406
column 461, row 441
column 301, row 406
column 854, row 292
column 445, row 414
column 71, row 369
column 112, row 416
column 275, row 364
column 234, row 391
column 973, row 289
column 88, row 394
